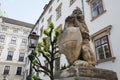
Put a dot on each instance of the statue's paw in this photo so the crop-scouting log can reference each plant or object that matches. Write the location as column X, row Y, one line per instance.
column 93, row 63
column 82, row 63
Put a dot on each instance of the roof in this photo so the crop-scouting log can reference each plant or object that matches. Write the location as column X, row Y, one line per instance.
column 16, row 22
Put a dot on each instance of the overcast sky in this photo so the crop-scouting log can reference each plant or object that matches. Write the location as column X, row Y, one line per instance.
column 24, row 10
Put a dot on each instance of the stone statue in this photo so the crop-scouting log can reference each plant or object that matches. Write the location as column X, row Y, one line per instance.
column 74, row 41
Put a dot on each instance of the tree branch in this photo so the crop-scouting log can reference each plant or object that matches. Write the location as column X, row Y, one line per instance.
column 40, row 65
column 55, row 47
column 37, row 70
column 56, row 51
column 45, row 57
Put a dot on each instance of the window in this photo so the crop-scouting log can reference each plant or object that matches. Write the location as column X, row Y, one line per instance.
column 49, row 20
column 6, row 70
column 19, row 70
column 102, row 48
column 36, row 30
column 50, row 9
column 2, row 38
column 96, row 8
column 15, row 31
column 21, row 56
column 25, row 33
column 13, row 40
column 42, row 20
column 4, row 28
column 41, row 30
column 58, row 11
column 72, row 1
column 10, row 55
column 24, row 42
column 57, row 64
column 102, row 45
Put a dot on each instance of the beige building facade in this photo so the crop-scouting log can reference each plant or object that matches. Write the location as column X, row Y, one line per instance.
column 13, row 48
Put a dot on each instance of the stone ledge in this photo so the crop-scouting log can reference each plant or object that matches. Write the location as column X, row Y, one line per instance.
column 107, row 59
column 85, row 73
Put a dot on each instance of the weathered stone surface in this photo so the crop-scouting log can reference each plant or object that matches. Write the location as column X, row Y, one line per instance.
column 70, row 42
column 86, row 73
column 79, row 78
column 74, row 41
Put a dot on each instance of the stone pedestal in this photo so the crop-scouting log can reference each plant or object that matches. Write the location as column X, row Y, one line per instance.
column 85, row 73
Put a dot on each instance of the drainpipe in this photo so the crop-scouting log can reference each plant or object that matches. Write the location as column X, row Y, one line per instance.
column 82, row 7
column 83, row 12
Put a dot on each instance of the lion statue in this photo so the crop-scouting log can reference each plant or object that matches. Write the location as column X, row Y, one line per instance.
column 74, row 41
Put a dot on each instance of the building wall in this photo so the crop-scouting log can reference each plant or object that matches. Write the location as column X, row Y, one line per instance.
column 6, row 46
column 66, row 10
column 109, row 17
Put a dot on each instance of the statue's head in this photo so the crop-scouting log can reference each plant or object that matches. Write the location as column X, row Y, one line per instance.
column 77, row 11
column 78, row 14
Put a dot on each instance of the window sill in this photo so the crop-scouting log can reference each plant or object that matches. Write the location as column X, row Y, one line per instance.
column 3, row 43
column 20, row 61
column 23, row 45
column 93, row 18
column 13, row 45
column 105, row 60
column 8, row 60
column 18, row 75
column 5, row 74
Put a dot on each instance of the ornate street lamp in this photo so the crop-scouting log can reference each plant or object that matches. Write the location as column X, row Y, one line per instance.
column 32, row 42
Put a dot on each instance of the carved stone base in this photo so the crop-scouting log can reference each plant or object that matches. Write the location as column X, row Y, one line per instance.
column 85, row 73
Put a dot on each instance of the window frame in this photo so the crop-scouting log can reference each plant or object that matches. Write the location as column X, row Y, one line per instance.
column 19, row 71
column 41, row 31
column 102, row 46
column 42, row 20
column 13, row 40
column 4, row 28
column 6, row 70
column 98, row 13
column 15, row 31
column 59, row 11
column 25, row 33
column 103, row 32
column 49, row 20
column 24, row 42
column 21, row 57
column 2, row 38
column 10, row 55
column 50, row 9
column 72, row 1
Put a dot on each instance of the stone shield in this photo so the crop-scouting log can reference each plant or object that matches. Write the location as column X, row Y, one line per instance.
column 70, row 42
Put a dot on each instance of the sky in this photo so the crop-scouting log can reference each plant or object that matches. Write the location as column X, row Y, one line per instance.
column 24, row 10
